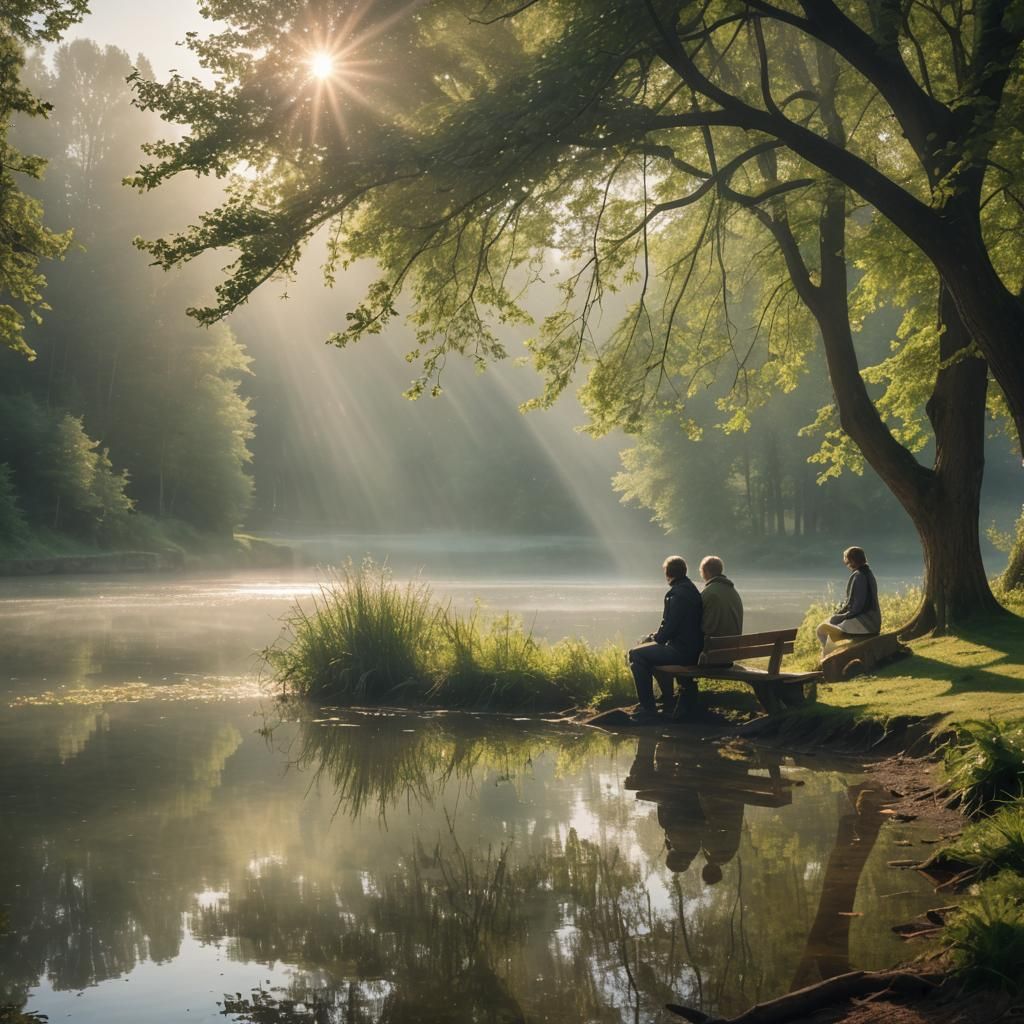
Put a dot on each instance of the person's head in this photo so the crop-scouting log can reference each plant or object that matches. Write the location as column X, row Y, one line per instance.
column 675, row 567
column 855, row 557
column 711, row 873
column 679, row 860
column 711, row 566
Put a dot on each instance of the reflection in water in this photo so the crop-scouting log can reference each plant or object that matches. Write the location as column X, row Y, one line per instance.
column 397, row 868
column 828, row 942
column 700, row 797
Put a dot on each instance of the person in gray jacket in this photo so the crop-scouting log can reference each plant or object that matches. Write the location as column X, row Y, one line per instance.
column 859, row 614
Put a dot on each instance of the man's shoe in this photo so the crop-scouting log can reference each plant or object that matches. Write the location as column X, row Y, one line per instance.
column 644, row 716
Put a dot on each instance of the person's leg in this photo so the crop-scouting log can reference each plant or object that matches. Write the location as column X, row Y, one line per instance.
column 666, row 686
column 643, row 676
column 643, row 661
column 828, row 635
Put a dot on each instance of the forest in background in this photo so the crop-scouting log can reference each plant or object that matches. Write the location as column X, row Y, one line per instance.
column 134, row 428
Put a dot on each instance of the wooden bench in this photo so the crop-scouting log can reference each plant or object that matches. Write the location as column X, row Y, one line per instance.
column 774, row 688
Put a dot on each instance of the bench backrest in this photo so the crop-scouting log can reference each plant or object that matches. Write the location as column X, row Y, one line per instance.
column 720, row 650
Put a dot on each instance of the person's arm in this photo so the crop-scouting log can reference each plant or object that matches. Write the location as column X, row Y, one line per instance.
column 670, row 623
column 858, row 602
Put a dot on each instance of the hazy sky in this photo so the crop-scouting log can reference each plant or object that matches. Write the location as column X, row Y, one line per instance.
column 151, row 27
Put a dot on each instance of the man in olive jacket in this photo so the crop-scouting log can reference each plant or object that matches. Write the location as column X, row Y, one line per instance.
column 678, row 641
column 723, row 609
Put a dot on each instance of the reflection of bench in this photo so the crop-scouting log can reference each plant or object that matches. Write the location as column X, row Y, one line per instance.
column 774, row 688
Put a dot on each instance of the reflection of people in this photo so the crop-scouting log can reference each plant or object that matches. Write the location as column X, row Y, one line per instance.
column 695, row 817
column 678, row 640
column 859, row 615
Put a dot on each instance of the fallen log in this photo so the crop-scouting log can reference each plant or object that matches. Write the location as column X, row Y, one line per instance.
column 809, row 1000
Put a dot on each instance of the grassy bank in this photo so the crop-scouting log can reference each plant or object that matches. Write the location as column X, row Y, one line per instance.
column 977, row 674
column 983, row 772
column 367, row 639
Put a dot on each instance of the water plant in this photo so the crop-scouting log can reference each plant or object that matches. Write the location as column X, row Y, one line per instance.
column 366, row 639
column 984, row 767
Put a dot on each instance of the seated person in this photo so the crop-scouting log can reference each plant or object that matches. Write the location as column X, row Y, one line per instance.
column 722, row 608
column 678, row 640
column 721, row 615
column 859, row 614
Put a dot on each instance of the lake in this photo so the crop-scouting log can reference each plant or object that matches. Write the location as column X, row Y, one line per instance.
column 177, row 849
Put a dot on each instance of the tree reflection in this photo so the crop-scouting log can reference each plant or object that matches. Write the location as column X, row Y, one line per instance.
column 463, row 870
column 375, row 763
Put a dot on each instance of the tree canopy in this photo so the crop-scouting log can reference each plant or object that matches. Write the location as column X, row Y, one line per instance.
column 25, row 242
column 453, row 144
column 746, row 174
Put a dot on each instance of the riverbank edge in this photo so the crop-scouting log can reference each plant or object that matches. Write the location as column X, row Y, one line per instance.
column 241, row 552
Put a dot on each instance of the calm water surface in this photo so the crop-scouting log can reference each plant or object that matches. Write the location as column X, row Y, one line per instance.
column 174, row 852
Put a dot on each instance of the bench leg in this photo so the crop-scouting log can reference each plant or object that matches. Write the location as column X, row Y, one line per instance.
column 688, row 700
column 768, row 697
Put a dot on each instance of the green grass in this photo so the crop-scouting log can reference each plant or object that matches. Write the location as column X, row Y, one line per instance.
column 991, row 845
column 984, row 766
column 975, row 675
column 986, row 936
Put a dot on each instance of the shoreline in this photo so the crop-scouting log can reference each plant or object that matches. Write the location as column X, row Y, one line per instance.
column 242, row 552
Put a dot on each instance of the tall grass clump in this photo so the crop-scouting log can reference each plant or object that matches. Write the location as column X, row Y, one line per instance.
column 984, row 767
column 986, row 936
column 992, row 844
column 365, row 640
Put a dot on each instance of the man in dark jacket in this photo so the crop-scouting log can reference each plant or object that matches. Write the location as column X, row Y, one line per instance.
column 678, row 641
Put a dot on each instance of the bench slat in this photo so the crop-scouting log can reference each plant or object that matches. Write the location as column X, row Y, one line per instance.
column 724, row 654
column 714, row 643
column 738, row 674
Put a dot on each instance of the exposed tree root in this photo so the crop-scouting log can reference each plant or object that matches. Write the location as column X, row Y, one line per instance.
column 804, row 1001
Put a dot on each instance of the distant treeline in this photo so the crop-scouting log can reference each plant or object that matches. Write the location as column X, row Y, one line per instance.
column 128, row 407
column 761, row 483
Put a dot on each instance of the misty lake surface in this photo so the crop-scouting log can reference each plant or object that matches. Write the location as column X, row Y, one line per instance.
column 174, row 851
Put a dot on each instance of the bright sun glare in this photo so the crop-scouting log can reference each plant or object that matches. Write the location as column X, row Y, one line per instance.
column 322, row 65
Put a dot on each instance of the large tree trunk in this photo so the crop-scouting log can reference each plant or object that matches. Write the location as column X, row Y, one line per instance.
column 955, row 586
column 943, row 501
column 946, row 516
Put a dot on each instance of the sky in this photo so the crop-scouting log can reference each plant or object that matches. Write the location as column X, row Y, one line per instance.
column 151, row 27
